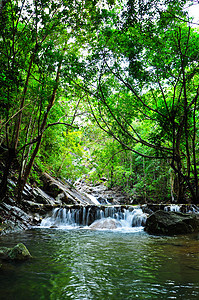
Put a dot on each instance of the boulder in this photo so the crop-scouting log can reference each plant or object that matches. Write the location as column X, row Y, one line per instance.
column 107, row 223
column 17, row 253
column 171, row 223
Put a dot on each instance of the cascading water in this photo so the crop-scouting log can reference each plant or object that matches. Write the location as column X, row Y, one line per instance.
column 85, row 216
column 173, row 207
column 182, row 208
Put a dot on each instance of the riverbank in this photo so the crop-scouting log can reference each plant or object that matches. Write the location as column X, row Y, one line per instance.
column 38, row 202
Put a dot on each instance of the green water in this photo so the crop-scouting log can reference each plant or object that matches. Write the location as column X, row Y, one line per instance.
column 85, row 264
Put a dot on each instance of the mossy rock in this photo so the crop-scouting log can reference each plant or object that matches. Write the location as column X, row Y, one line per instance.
column 4, row 252
column 17, row 253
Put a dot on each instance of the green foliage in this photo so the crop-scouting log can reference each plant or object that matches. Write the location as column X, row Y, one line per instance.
column 36, row 39
column 62, row 155
column 143, row 179
column 146, row 96
column 130, row 70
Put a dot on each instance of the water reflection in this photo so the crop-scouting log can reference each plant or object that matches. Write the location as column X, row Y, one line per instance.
column 82, row 264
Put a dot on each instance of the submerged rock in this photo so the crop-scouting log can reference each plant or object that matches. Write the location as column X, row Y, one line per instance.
column 107, row 223
column 17, row 253
column 171, row 223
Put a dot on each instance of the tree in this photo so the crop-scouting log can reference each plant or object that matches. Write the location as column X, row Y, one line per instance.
column 38, row 39
column 148, row 72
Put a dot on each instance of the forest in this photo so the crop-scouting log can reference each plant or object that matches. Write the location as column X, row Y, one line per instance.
column 101, row 89
column 99, row 149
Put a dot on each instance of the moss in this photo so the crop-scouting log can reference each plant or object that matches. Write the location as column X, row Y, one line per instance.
column 4, row 252
column 17, row 253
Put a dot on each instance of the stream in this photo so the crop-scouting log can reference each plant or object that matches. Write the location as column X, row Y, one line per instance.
column 79, row 263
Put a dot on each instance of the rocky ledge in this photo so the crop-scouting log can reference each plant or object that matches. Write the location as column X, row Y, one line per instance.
column 37, row 202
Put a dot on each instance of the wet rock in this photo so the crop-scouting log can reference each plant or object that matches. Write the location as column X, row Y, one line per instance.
column 41, row 197
column 61, row 198
column 66, row 190
column 17, row 253
column 102, row 201
column 113, row 196
column 27, row 192
column 184, row 208
column 33, row 206
column 53, row 226
column 50, row 186
column 66, row 198
column 14, row 218
column 171, row 223
column 107, row 223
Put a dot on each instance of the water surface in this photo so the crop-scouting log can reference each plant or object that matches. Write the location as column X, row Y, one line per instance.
column 85, row 264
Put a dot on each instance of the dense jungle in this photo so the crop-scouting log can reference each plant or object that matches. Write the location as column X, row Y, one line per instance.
column 101, row 89
column 99, row 149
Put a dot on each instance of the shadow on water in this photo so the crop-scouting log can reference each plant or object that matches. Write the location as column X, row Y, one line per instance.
column 86, row 264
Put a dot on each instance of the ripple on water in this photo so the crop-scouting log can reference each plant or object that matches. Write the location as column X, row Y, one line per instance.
column 85, row 264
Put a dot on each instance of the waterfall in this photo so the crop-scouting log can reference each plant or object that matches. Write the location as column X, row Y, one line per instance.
column 135, row 218
column 85, row 216
column 173, row 207
column 182, row 208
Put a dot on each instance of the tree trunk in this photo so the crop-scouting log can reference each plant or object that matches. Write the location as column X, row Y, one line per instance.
column 9, row 160
column 28, row 168
column 18, row 123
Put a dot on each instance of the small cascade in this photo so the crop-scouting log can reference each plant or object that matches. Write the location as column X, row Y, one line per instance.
column 85, row 216
column 93, row 199
column 182, row 208
column 173, row 207
column 133, row 218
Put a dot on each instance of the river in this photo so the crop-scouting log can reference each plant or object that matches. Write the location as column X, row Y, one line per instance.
column 87, row 264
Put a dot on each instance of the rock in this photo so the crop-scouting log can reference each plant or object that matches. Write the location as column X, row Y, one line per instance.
column 32, row 206
column 61, row 198
column 65, row 198
column 67, row 192
column 17, row 253
column 14, row 219
column 102, row 201
column 184, row 208
column 4, row 253
column 107, row 223
column 27, row 192
column 113, row 196
column 41, row 197
column 171, row 223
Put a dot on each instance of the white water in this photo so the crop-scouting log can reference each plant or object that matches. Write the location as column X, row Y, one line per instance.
column 178, row 208
column 93, row 199
column 173, row 207
column 67, row 218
